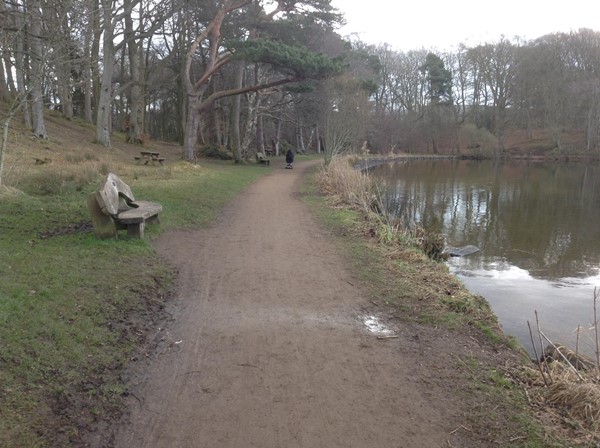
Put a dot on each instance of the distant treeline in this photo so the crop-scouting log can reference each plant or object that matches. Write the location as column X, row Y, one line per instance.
column 511, row 94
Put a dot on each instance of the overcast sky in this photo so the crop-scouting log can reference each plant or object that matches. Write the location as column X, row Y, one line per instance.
column 442, row 24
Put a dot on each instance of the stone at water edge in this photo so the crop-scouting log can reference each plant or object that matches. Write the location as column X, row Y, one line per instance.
column 461, row 251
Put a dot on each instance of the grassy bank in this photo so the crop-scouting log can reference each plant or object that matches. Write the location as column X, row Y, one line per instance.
column 73, row 308
column 424, row 289
column 417, row 290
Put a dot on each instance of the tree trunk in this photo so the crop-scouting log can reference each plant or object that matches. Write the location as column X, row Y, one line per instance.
column 10, row 83
column 260, row 134
column 311, row 138
column 4, row 93
column 251, row 118
column 277, row 139
column 136, row 125
column 87, row 72
column 300, row 138
column 218, row 126
column 236, row 144
column 191, row 128
column 106, row 94
column 64, row 91
column 95, row 58
column 7, row 86
column 20, row 70
column 589, row 126
column 37, row 98
column 57, row 25
column 254, row 101
column 501, row 118
column 20, row 65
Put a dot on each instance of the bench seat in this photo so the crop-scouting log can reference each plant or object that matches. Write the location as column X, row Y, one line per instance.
column 143, row 211
column 260, row 158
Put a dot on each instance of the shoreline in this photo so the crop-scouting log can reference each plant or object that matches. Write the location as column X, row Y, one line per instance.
column 466, row 311
column 373, row 160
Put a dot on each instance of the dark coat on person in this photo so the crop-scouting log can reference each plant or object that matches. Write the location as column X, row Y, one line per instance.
column 289, row 156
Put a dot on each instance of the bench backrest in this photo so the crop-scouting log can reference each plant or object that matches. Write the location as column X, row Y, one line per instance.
column 114, row 195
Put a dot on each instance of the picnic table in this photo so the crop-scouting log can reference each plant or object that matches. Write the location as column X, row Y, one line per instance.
column 149, row 157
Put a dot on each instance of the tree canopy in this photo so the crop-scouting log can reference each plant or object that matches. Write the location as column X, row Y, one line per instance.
column 438, row 79
column 293, row 60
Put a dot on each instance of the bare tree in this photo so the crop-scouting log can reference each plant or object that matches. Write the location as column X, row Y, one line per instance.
column 37, row 68
column 499, row 74
column 346, row 109
column 113, row 13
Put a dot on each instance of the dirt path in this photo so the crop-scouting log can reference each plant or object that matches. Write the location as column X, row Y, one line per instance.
column 268, row 346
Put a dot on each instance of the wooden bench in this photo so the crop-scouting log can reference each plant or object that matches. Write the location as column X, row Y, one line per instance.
column 114, row 208
column 261, row 158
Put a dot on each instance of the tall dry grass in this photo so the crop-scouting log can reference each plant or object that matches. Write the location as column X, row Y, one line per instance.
column 568, row 383
column 349, row 187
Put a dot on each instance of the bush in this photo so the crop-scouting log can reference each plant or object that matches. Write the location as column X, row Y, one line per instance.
column 213, row 152
column 479, row 141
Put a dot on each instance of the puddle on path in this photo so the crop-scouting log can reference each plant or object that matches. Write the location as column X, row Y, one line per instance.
column 375, row 326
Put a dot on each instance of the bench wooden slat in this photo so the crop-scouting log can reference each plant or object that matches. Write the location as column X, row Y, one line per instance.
column 114, row 195
column 144, row 211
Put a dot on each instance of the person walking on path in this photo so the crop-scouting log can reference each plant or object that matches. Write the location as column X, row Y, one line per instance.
column 289, row 158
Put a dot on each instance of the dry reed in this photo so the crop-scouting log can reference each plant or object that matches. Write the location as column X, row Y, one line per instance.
column 351, row 188
column 568, row 382
column 580, row 399
column 348, row 186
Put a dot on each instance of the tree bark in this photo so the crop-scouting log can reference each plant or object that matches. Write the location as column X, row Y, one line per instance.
column 103, row 120
column 277, row 139
column 136, row 104
column 87, row 72
column 10, row 82
column 260, row 134
column 319, row 149
column 7, row 79
column 37, row 98
column 4, row 93
column 20, row 67
column 191, row 128
column 236, row 143
column 95, row 58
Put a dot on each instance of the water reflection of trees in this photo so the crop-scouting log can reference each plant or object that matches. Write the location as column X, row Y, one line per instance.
column 540, row 217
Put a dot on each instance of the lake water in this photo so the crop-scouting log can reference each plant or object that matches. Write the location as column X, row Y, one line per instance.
column 538, row 228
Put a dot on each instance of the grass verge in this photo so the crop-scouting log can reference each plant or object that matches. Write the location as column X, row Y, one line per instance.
column 73, row 308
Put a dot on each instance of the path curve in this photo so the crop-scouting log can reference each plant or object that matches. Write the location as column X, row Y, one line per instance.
column 268, row 347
